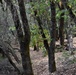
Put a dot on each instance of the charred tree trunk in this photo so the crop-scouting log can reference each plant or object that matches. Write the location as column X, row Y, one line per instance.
column 52, row 65
column 61, row 26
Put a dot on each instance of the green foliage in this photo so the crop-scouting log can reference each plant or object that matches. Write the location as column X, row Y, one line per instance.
column 44, row 52
column 74, row 30
column 58, row 14
column 68, row 58
column 72, row 5
column 66, row 55
column 12, row 28
column 57, row 1
column 40, row 7
column 35, row 37
column 43, row 11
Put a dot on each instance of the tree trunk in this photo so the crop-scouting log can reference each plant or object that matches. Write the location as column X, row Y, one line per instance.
column 24, row 45
column 51, row 49
column 52, row 65
column 57, row 33
column 61, row 26
column 45, row 41
column 36, row 47
column 24, row 40
column 69, row 38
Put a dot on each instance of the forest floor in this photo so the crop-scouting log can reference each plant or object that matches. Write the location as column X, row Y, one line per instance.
column 65, row 63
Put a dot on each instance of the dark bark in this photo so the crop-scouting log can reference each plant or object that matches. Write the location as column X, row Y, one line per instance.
column 52, row 65
column 61, row 26
column 51, row 60
column 36, row 48
column 1, row 1
column 24, row 44
column 45, row 41
column 57, row 34
column 24, row 40
column 1, row 52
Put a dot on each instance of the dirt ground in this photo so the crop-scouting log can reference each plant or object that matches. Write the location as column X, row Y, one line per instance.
column 66, row 65
column 40, row 65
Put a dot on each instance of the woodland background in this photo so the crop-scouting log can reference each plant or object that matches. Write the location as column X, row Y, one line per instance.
column 38, row 37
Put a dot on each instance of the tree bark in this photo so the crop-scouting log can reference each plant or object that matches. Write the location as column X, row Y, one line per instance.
column 36, row 47
column 24, row 44
column 52, row 65
column 61, row 26
column 24, row 40
column 45, row 41
column 50, row 51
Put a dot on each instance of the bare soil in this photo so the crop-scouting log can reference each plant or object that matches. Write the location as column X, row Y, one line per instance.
column 40, row 65
column 64, row 64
